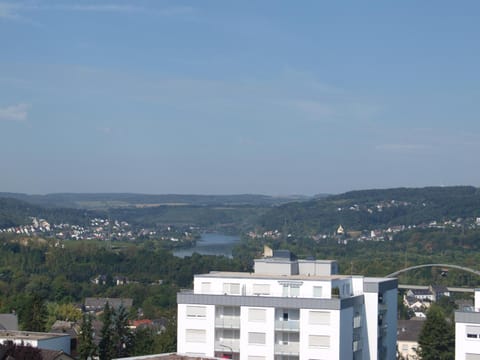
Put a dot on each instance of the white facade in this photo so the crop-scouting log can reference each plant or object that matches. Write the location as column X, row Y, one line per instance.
column 280, row 312
column 467, row 332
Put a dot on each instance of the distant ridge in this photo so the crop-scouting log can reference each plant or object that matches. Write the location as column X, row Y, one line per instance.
column 116, row 200
column 369, row 209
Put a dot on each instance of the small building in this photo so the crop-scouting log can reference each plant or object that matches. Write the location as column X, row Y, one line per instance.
column 49, row 341
column 54, row 355
column 439, row 291
column 8, row 322
column 98, row 304
column 408, row 332
column 421, row 294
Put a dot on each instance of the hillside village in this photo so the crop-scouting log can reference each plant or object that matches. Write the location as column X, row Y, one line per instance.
column 103, row 230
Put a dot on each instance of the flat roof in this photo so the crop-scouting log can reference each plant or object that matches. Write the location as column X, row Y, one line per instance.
column 28, row 335
column 246, row 275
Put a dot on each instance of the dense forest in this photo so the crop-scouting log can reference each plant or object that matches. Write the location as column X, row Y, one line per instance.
column 370, row 209
column 14, row 212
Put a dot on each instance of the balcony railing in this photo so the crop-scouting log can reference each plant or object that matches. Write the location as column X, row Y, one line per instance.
column 232, row 345
column 229, row 322
column 287, row 325
column 290, row 348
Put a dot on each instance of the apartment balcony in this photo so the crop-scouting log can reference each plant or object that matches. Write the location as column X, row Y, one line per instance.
column 357, row 346
column 287, row 325
column 292, row 348
column 228, row 345
column 227, row 322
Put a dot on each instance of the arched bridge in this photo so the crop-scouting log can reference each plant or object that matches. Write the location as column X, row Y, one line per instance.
column 394, row 274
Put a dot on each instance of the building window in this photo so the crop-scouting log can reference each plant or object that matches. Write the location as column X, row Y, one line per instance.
column 473, row 332
column 205, row 287
column 292, row 290
column 319, row 318
column 256, row 338
column 196, row 311
column 196, row 336
column 261, row 289
column 357, row 321
column 317, row 291
column 257, row 315
column 231, row 288
column 319, row 341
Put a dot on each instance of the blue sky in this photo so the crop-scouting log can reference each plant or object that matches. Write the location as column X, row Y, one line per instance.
column 224, row 97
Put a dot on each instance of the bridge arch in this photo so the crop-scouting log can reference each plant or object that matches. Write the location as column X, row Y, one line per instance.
column 464, row 268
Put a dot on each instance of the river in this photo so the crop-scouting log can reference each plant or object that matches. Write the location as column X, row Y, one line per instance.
column 210, row 244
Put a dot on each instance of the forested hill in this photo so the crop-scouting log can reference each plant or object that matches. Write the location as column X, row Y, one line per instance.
column 122, row 200
column 371, row 209
column 14, row 212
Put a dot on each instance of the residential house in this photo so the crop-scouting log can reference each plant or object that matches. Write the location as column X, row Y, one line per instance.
column 408, row 332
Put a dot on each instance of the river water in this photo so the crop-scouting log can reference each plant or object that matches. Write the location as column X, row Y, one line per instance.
column 210, row 244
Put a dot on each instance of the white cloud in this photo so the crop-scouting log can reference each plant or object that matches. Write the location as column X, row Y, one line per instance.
column 9, row 10
column 18, row 112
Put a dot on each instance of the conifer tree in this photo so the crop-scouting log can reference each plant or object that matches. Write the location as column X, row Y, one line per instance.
column 87, row 347
column 106, row 347
column 437, row 337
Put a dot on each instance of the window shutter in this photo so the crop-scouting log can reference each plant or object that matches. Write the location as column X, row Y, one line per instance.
column 256, row 338
column 319, row 318
column 317, row 291
column 257, row 315
column 319, row 341
column 196, row 311
column 261, row 289
column 196, row 336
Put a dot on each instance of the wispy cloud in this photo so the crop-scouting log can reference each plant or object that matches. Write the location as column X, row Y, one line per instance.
column 16, row 10
column 97, row 7
column 18, row 112
column 10, row 11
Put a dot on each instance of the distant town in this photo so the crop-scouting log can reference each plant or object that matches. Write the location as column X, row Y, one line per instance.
column 105, row 230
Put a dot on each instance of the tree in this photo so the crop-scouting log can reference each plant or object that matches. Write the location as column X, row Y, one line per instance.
column 144, row 341
column 106, row 347
column 167, row 340
column 9, row 350
column 32, row 313
column 87, row 347
column 122, row 336
column 437, row 337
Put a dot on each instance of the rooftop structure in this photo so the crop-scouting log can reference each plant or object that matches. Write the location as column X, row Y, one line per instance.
column 288, row 309
column 467, row 332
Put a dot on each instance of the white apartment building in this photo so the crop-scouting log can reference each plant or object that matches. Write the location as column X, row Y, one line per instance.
column 467, row 332
column 288, row 309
